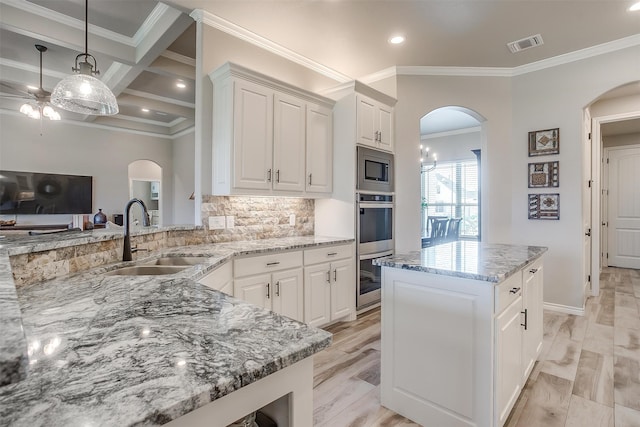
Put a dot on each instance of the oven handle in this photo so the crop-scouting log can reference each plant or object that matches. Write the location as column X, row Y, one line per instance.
column 376, row 255
column 375, row 205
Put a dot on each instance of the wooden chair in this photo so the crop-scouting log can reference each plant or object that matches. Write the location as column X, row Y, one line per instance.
column 438, row 231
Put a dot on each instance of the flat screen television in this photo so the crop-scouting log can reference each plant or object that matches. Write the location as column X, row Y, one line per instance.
column 44, row 193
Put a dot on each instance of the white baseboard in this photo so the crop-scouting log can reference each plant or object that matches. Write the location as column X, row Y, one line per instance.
column 564, row 308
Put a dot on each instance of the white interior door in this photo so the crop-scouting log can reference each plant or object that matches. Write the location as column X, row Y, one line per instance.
column 586, row 205
column 624, row 207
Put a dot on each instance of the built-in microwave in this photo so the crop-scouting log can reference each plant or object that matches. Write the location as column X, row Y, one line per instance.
column 375, row 170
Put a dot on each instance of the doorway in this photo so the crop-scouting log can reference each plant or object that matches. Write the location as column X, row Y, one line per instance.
column 616, row 108
column 450, row 175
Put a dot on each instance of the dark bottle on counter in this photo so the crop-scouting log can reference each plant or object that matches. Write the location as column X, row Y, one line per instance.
column 99, row 218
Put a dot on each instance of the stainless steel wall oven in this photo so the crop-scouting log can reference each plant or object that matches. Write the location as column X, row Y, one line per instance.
column 375, row 240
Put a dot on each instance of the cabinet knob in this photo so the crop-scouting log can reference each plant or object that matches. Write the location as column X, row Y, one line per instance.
column 514, row 290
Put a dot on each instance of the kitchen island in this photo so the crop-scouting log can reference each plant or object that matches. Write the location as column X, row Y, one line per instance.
column 107, row 350
column 461, row 330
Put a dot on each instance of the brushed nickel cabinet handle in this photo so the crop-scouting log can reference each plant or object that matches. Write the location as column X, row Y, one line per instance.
column 514, row 290
column 526, row 314
column 269, row 264
column 278, row 175
column 335, row 275
column 309, row 179
column 269, row 175
column 329, row 276
column 268, row 289
column 278, row 288
column 332, row 254
column 533, row 271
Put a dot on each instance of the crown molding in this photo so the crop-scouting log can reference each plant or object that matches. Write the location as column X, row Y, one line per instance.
column 266, row 44
column 578, row 55
column 454, row 71
column 380, row 75
column 106, row 127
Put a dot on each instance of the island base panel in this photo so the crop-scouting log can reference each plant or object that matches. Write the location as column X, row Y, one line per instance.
column 286, row 396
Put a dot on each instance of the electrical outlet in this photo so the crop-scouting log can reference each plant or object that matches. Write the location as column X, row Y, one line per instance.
column 231, row 221
column 216, row 223
column 292, row 219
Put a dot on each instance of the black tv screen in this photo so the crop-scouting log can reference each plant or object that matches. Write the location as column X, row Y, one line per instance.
column 44, row 193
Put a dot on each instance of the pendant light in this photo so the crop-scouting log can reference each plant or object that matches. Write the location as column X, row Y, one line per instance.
column 81, row 92
column 40, row 107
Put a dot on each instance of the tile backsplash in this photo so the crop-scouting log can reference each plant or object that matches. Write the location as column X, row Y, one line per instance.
column 258, row 217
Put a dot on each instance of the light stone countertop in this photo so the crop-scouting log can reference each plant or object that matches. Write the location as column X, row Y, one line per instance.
column 467, row 259
column 143, row 350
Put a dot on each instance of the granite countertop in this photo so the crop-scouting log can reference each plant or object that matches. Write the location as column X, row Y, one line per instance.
column 467, row 259
column 143, row 350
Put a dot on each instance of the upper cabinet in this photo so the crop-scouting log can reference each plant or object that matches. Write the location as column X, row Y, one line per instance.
column 374, row 123
column 269, row 138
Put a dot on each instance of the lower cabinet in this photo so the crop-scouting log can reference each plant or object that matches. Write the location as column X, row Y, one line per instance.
column 316, row 286
column 278, row 285
column 220, row 279
column 329, row 284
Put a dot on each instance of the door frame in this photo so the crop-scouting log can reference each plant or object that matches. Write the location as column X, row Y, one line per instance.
column 597, row 160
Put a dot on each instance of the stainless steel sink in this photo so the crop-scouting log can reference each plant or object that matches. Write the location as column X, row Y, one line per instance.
column 177, row 260
column 147, row 270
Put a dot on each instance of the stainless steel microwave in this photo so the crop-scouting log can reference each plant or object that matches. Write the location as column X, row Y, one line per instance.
column 375, row 170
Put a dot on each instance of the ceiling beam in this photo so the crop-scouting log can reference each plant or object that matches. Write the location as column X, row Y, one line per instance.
column 157, row 105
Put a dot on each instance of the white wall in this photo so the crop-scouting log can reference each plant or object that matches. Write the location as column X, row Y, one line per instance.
column 183, row 178
column 68, row 148
column 488, row 96
column 555, row 98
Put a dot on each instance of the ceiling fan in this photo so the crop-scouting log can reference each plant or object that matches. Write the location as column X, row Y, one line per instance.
column 39, row 100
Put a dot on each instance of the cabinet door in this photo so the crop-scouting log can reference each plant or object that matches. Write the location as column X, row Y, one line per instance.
column 317, row 295
column 366, row 121
column 343, row 288
column 288, row 143
column 288, row 294
column 533, row 306
column 256, row 290
column 253, row 136
column 319, row 177
column 508, row 359
column 385, row 126
column 220, row 279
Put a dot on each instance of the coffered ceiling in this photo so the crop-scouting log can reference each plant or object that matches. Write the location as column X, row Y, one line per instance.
column 143, row 47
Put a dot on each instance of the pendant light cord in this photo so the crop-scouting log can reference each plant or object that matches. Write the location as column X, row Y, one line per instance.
column 86, row 27
column 40, row 69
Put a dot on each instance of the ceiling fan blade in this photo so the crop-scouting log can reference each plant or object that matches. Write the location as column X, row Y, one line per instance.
column 9, row 90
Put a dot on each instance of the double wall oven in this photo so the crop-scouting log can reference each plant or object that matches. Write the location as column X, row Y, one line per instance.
column 374, row 221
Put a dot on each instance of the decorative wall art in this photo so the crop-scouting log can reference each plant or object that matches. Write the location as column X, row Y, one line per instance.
column 544, row 206
column 544, row 174
column 544, row 142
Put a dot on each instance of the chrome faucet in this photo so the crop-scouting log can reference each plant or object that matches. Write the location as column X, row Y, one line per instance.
column 128, row 251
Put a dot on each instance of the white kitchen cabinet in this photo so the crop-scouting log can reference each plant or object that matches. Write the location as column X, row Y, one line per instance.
column 289, row 143
column 269, row 138
column 220, row 279
column 532, row 279
column 329, row 284
column 374, row 123
column 273, row 281
column 319, row 149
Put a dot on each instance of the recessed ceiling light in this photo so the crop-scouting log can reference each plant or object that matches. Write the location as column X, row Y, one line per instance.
column 634, row 7
column 181, row 85
column 145, row 110
column 396, row 39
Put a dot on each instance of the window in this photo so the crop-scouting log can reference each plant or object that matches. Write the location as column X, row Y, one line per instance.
column 451, row 190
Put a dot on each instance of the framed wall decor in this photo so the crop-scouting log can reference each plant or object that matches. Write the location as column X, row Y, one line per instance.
column 544, row 206
column 544, row 174
column 544, row 142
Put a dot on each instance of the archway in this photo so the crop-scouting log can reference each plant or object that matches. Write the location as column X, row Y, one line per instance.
column 615, row 112
column 450, row 159
column 145, row 183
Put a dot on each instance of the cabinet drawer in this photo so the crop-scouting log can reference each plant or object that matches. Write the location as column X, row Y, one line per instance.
column 267, row 263
column 219, row 277
column 530, row 270
column 327, row 253
column 508, row 291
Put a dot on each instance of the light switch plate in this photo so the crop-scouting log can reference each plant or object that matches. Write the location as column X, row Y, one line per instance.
column 292, row 219
column 231, row 221
column 216, row 223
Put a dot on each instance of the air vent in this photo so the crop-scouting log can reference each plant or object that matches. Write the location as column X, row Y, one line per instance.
column 526, row 43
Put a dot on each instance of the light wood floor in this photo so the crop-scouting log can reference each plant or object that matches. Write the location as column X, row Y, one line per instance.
column 588, row 374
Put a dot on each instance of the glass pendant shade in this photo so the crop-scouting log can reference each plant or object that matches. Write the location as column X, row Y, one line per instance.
column 84, row 94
